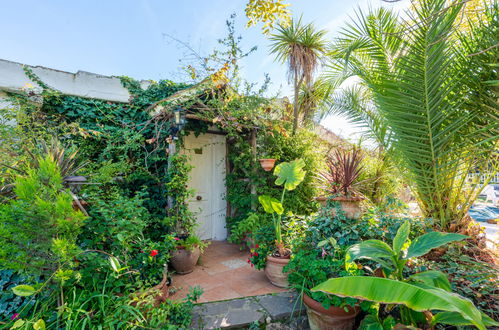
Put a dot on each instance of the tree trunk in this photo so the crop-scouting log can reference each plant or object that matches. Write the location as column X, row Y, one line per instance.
column 296, row 107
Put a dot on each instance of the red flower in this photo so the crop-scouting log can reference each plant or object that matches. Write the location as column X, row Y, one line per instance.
column 255, row 254
column 14, row 316
column 177, row 239
column 249, row 261
column 257, row 246
column 154, row 253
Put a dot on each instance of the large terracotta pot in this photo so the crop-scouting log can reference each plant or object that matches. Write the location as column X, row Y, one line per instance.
column 349, row 205
column 273, row 270
column 184, row 260
column 267, row 163
column 334, row 318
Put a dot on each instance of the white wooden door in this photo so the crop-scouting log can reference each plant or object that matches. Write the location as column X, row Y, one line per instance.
column 207, row 179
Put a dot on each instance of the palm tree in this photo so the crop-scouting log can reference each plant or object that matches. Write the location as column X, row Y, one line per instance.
column 422, row 95
column 301, row 47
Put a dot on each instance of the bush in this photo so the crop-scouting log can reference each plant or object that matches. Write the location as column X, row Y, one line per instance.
column 38, row 229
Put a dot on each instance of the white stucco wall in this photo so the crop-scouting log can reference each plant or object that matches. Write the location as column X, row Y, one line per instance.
column 84, row 84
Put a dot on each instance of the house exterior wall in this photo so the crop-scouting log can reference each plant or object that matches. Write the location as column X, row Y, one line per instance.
column 85, row 84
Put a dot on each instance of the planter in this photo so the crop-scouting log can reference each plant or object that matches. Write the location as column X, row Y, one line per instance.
column 334, row 318
column 349, row 205
column 184, row 260
column 273, row 271
column 267, row 163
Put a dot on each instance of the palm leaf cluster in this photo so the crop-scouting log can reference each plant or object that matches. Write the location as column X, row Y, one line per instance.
column 422, row 94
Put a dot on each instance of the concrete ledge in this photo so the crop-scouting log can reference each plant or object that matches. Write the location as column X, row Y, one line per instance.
column 84, row 84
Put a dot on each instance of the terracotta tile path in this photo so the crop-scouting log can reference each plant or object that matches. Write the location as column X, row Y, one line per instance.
column 223, row 273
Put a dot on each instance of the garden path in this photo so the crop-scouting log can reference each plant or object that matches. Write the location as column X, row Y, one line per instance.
column 224, row 273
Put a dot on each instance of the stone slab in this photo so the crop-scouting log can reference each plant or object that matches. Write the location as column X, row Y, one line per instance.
column 282, row 305
column 229, row 314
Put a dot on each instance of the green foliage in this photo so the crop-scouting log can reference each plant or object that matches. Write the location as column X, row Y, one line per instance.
column 178, row 176
column 310, row 267
column 471, row 278
column 39, row 228
column 438, row 117
column 417, row 298
column 191, row 242
column 289, row 175
column 394, row 258
column 246, row 228
column 10, row 303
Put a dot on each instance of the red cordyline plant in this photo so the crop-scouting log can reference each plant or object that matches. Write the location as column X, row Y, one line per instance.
column 342, row 171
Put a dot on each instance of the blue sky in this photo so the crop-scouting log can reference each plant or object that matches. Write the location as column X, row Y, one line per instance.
column 127, row 37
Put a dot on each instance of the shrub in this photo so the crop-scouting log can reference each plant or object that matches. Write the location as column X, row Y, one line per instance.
column 38, row 229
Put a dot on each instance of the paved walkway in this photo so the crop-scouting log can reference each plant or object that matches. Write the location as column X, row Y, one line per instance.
column 241, row 313
column 224, row 273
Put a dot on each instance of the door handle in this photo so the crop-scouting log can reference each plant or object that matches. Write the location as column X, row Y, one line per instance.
column 198, row 198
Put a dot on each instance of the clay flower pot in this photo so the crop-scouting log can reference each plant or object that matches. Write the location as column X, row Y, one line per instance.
column 273, row 271
column 267, row 163
column 349, row 205
column 336, row 318
column 184, row 260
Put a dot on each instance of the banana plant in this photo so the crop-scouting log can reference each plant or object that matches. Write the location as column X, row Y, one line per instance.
column 419, row 294
column 289, row 175
column 393, row 258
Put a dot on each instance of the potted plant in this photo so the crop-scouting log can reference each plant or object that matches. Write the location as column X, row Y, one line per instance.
column 289, row 175
column 311, row 266
column 422, row 299
column 187, row 253
column 340, row 179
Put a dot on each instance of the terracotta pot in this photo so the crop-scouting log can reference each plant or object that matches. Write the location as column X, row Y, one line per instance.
column 334, row 318
column 349, row 205
column 184, row 260
column 273, row 271
column 267, row 163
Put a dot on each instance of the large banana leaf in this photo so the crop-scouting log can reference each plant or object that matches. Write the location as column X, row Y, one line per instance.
column 373, row 249
column 432, row 278
column 290, row 174
column 423, row 244
column 387, row 291
column 453, row 318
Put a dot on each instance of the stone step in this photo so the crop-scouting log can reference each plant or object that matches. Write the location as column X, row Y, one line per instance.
column 243, row 312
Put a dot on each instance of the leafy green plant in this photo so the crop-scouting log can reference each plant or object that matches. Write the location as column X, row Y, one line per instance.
column 289, row 175
column 420, row 292
column 39, row 228
column 309, row 267
column 191, row 242
column 246, row 228
column 393, row 259
column 436, row 117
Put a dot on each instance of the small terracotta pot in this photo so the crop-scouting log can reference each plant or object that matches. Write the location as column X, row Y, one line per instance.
column 267, row 163
column 334, row 318
column 184, row 260
column 273, row 271
column 349, row 205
